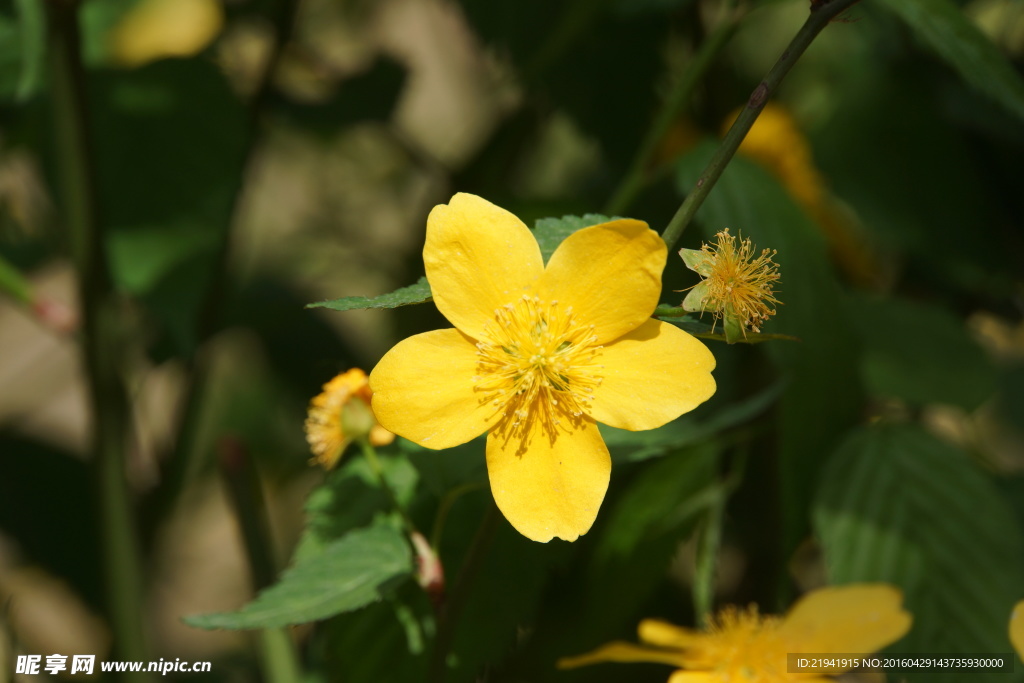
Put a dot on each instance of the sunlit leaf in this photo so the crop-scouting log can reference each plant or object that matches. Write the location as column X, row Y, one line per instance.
column 898, row 505
column 413, row 294
column 347, row 575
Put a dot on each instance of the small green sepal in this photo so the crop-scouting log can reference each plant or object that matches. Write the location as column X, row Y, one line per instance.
column 697, row 261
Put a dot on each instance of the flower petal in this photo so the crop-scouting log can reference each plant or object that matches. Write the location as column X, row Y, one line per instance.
column 610, row 274
column 423, row 390
column 853, row 618
column 478, row 257
column 618, row 651
column 547, row 488
column 664, row 634
column 683, row 676
column 651, row 376
column 1017, row 628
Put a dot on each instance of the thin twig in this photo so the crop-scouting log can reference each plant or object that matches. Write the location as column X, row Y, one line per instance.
column 820, row 17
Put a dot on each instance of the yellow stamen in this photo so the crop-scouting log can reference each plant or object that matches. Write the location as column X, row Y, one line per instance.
column 537, row 363
column 738, row 283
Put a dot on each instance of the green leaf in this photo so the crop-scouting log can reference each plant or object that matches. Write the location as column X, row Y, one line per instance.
column 351, row 498
column 665, row 490
column 705, row 330
column 551, row 231
column 22, row 49
column 144, row 256
column 347, row 575
column 898, row 505
column 921, row 353
column 413, row 294
column 14, row 283
column 942, row 26
column 627, row 446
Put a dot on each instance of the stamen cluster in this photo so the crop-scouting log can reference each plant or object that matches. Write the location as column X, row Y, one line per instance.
column 535, row 362
column 737, row 284
column 741, row 645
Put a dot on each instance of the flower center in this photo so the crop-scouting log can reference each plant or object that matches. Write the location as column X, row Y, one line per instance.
column 744, row 647
column 536, row 362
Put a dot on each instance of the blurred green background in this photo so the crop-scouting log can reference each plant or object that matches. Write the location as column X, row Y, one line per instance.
column 248, row 157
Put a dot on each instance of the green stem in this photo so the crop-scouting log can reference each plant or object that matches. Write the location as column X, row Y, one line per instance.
column 102, row 333
column 820, row 17
column 279, row 659
column 451, row 610
column 639, row 170
column 370, row 453
column 709, row 543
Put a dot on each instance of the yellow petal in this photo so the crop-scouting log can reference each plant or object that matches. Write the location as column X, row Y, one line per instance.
column 548, row 488
column 856, row 618
column 1017, row 628
column 478, row 258
column 664, row 634
column 155, row 29
column 610, row 274
column 652, row 375
column 620, row 652
column 683, row 676
column 423, row 390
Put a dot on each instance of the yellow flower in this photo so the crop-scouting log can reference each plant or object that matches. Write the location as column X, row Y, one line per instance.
column 340, row 415
column 1017, row 628
column 537, row 356
column 157, row 29
column 737, row 286
column 743, row 646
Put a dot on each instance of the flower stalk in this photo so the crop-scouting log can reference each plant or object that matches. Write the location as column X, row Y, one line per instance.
column 102, row 333
column 821, row 15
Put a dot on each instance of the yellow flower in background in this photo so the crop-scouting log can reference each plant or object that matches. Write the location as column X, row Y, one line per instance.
column 744, row 646
column 340, row 415
column 156, row 29
column 1017, row 628
column 738, row 286
column 777, row 143
column 538, row 356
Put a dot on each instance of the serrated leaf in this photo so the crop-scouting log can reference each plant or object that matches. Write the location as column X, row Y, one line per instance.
column 417, row 293
column 351, row 498
column 551, row 231
column 943, row 27
column 897, row 505
column 921, row 353
column 347, row 575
